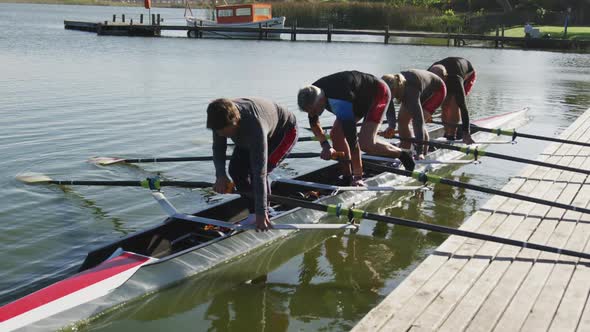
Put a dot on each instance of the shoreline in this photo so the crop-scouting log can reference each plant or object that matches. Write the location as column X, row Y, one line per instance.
column 105, row 3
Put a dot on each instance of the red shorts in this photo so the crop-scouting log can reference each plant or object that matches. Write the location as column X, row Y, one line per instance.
column 380, row 103
column 431, row 104
column 469, row 82
column 283, row 149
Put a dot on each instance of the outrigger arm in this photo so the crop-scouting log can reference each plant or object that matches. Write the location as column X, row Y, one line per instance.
column 174, row 213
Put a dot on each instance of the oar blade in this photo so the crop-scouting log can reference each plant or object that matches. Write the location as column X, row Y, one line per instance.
column 105, row 161
column 33, row 178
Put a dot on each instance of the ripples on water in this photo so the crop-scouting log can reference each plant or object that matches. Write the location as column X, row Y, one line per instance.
column 71, row 95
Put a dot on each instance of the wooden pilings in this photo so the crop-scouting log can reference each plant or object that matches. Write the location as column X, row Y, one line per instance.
column 262, row 32
column 294, row 31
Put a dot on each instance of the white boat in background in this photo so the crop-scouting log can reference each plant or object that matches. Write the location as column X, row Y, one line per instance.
column 251, row 15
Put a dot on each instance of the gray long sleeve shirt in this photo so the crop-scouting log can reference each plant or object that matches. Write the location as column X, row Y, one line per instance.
column 262, row 124
column 420, row 85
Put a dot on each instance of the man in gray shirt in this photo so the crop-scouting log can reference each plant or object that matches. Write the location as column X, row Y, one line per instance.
column 263, row 133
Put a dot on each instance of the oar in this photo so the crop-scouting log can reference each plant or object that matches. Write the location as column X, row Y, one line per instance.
column 478, row 152
column 425, row 177
column 151, row 183
column 358, row 125
column 300, row 139
column 337, row 210
column 514, row 134
column 322, row 186
column 420, row 162
column 110, row 160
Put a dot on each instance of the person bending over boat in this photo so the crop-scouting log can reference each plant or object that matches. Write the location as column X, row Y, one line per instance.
column 263, row 133
column 420, row 93
column 459, row 77
column 351, row 96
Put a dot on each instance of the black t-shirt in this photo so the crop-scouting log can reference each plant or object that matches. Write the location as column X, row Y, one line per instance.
column 457, row 70
column 350, row 96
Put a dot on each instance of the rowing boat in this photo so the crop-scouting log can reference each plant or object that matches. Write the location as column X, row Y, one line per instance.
column 185, row 245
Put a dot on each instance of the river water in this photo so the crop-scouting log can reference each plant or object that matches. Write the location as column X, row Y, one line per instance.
column 69, row 95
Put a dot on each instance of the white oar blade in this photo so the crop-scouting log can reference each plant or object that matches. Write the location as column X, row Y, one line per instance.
column 104, row 161
column 32, row 178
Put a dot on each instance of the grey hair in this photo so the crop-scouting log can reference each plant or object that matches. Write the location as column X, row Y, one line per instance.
column 307, row 96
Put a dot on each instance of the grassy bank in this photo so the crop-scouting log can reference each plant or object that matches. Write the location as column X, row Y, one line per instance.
column 365, row 15
column 580, row 33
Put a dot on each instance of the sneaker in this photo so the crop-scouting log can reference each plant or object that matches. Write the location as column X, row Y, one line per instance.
column 407, row 161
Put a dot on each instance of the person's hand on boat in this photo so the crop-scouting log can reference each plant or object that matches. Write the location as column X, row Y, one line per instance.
column 467, row 138
column 327, row 153
column 222, row 184
column 387, row 133
column 263, row 224
column 427, row 117
column 420, row 157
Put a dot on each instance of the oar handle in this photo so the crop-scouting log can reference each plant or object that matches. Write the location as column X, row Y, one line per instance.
column 338, row 155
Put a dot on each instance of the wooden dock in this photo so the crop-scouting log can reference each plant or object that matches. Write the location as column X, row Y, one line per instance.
column 261, row 32
column 472, row 285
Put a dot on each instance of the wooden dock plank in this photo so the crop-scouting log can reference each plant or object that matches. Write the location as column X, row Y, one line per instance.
column 430, row 292
column 526, row 296
column 484, row 286
column 438, row 311
column 377, row 317
column 468, row 306
column 499, row 298
column 553, row 295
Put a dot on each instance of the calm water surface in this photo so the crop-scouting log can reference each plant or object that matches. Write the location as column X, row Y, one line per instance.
column 68, row 95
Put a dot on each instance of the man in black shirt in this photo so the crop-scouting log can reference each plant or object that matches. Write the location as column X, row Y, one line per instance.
column 459, row 76
column 351, row 96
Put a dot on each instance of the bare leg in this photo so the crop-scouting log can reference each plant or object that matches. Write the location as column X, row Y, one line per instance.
column 451, row 115
column 403, row 121
column 340, row 144
column 370, row 145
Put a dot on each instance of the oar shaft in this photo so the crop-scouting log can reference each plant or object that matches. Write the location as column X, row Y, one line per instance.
column 358, row 125
column 513, row 133
column 429, row 227
column 209, row 158
column 437, row 179
column 477, row 152
column 95, row 183
column 168, row 159
column 551, row 139
column 144, row 183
